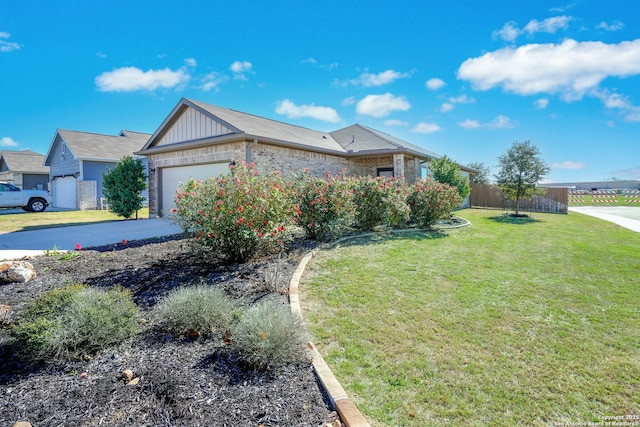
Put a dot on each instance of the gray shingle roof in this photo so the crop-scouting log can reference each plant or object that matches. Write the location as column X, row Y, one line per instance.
column 25, row 161
column 359, row 138
column 367, row 141
column 272, row 129
column 94, row 146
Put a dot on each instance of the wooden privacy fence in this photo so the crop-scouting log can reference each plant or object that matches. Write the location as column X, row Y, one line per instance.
column 555, row 200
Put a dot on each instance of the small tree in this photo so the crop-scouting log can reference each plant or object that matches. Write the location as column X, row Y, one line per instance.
column 447, row 171
column 122, row 187
column 520, row 170
column 482, row 176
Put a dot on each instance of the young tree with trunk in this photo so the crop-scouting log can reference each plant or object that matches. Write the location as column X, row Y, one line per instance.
column 122, row 187
column 521, row 168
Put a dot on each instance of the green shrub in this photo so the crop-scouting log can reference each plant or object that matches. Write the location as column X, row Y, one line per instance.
column 236, row 215
column 446, row 171
column 268, row 335
column 379, row 201
column 322, row 205
column 205, row 309
column 76, row 321
column 430, row 200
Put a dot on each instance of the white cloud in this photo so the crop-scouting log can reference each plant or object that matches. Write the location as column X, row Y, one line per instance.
column 101, row 55
column 541, row 104
column 212, row 81
column 629, row 111
column 7, row 141
column 382, row 105
column 631, row 173
column 571, row 68
column 129, row 79
column 289, row 109
column 462, row 99
column 510, row 32
column 549, row 25
column 367, row 79
column 446, row 107
column 395, row 122
column 500, row 122
column 614, row 26
column 426, row 128
column 568, row 164
column 434, row 83
column 314, row 62
column 7, row 46
column 241, row 66
column 348, row 101
column 470, row 124
column 190, row 62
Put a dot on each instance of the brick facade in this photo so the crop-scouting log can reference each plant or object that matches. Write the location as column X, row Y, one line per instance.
column 271, row 157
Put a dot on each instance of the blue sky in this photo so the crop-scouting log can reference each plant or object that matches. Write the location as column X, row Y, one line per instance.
column 462, row 78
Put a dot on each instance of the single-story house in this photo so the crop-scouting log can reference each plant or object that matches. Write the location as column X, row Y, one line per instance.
column 199, row 140
column 25, row 169
column 76, row 161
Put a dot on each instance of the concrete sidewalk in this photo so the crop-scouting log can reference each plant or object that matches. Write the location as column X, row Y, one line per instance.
column 624, row 216
column 30, row 243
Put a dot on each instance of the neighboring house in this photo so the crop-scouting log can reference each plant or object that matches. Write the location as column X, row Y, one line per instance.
column 25, row 169
column 78, row 159
column 199, row 140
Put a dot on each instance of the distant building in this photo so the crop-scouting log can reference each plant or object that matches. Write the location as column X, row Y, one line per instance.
column 25, row 169
column 596, row 185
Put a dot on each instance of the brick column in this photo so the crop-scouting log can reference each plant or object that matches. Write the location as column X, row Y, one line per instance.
column 398, row 165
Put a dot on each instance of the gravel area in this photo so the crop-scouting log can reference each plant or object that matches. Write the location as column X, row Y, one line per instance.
column 181, row 381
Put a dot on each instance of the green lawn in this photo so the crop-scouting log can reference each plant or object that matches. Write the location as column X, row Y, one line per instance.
column 37, row 220
column 500, row 323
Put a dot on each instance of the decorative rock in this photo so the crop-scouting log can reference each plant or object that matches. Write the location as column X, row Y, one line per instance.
column 16, row 271
column 127, row 375
column 134, row 381
column 5, row 314
column 22, row 424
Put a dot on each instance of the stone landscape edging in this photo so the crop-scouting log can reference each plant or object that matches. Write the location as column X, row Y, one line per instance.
column 347, row 410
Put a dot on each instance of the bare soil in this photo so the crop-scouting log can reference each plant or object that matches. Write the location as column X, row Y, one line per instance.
column 182, row 380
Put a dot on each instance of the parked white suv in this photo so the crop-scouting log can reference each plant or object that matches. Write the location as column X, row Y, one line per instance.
column 29, row 200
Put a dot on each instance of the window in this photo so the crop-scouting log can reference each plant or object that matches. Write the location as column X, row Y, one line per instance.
column 388, row 172
column 424, row 171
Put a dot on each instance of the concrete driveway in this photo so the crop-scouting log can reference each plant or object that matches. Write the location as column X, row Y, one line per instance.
column 30, row 243
column 625, row 216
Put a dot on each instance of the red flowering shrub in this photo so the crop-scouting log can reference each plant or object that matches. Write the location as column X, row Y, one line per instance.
column 430, row 200
column 379, row 201
column 236, row 215
column 322, row 205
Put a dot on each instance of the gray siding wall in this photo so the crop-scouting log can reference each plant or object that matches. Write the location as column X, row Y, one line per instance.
column 92, row 171
column 62, row 165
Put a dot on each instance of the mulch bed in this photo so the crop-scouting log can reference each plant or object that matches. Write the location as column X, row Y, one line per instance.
column 182, row 381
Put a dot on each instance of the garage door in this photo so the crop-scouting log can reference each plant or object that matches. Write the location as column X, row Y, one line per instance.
column 64, row 192
column 172, row 177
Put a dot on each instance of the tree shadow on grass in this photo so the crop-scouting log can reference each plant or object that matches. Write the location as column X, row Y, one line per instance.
column 513, row 219
column 376, row 238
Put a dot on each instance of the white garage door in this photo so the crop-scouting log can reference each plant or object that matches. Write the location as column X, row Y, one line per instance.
column 64, row 192
column 172, row 177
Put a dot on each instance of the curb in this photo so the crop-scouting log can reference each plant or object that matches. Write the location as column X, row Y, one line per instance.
column 347, row 410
